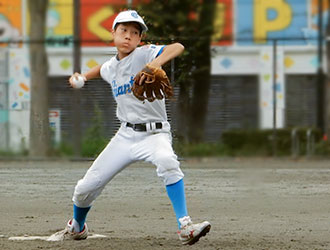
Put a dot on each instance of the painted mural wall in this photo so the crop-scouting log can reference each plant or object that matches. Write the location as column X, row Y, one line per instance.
column 10, row 21
column 240, row 22
column 11, row 29
column 243, row 35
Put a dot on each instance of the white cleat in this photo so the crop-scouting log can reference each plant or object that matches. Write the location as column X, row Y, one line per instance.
column 190, row 233
column 69, row 234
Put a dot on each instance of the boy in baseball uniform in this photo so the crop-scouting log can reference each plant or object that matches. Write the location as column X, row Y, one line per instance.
column 144, row 133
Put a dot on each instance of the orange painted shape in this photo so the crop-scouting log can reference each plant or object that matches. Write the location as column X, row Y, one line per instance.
column 24, row 86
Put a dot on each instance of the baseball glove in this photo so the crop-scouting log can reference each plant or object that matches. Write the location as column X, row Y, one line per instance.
column 152, row 83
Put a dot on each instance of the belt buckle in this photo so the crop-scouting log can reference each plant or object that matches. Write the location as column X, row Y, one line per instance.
column 155, row 126
column 140, row 127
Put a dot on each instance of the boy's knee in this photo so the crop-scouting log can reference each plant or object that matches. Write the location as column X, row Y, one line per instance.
column 86, row 190
column 168, row 168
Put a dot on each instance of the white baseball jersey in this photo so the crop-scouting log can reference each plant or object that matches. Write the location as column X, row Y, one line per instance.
column 120, row 74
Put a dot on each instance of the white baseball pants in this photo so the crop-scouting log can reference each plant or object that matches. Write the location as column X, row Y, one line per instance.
column 126, row 147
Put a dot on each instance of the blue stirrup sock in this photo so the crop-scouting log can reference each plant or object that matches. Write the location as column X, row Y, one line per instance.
column 177, row 196
column 80, row 214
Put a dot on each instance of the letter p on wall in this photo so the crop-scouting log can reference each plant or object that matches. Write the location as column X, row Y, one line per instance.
column 264, row 22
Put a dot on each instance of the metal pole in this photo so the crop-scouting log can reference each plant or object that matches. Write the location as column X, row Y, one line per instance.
column 274, row 97
column 172, row 67
column 76, row 68
column 327, row 82
column 310, row 142
column 76, row 47
column 294, row 143
column 320, row 34
column 172, row 71
column 6, row 56
column 320, row 73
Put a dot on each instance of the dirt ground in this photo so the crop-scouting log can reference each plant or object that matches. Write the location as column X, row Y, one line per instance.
column 251, row 204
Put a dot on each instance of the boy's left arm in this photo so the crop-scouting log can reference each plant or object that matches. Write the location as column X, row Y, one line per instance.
column 169, row 52
column 152, row 73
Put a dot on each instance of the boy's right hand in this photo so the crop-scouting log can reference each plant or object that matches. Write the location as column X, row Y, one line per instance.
column 75, row 77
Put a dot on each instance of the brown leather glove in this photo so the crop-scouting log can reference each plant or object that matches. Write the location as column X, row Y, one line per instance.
column 152, row 83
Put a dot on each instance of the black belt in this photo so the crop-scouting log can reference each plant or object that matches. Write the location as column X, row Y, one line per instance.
column 142, row 127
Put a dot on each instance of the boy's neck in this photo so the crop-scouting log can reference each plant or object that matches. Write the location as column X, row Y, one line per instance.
column 123, row 55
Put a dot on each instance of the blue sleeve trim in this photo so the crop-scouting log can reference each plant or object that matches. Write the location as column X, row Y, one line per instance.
column 160, row 51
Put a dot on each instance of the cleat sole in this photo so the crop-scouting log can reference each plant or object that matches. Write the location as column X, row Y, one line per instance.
column 202, row 234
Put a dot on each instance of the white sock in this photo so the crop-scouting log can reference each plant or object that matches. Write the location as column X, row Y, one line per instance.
column 76, row 226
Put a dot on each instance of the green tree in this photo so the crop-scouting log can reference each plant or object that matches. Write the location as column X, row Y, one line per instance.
column 189, row 22
column 39, row 119
column 202, row 74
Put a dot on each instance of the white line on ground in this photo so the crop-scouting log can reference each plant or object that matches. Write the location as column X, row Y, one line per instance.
column 27, row 237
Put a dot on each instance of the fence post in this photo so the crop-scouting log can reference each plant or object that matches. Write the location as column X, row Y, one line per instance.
column 310, row 144
column 274, row 97
column 76, row 98
column 294, row 143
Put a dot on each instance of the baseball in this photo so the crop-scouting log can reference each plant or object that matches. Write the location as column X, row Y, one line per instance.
column 78, row 82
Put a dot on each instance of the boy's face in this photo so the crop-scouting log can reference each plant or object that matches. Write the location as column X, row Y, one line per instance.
column 127, row 37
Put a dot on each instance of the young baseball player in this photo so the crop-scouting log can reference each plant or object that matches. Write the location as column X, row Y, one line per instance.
column 144, row 133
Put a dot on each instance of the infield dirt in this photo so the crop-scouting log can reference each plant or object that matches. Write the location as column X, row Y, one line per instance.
column 251, row 204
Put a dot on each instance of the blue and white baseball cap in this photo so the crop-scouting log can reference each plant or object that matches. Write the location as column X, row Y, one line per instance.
column 129, row 16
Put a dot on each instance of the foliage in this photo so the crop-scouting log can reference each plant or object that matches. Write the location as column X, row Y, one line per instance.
column 169, row 21
column 63, row 149
column 322, row 148
column 11, row 154
column 260, row 142
column 200, row 149
column 94, row 141
column 234, row 143
column 254, row 143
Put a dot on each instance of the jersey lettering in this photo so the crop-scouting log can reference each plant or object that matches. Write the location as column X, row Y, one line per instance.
column 122, row 89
